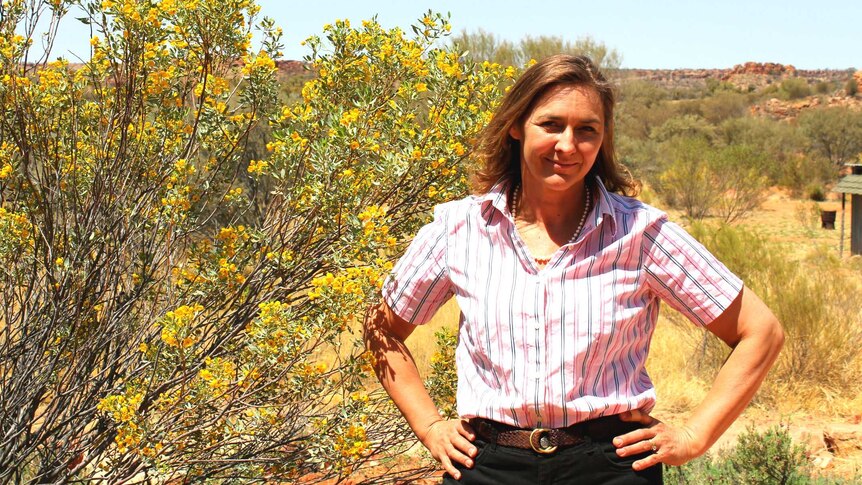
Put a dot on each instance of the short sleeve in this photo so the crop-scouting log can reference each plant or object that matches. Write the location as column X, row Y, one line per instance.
column 419, row 283
column 685, row 275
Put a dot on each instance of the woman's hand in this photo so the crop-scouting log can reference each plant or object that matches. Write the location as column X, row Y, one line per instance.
column 451, row 441
column 668, row 444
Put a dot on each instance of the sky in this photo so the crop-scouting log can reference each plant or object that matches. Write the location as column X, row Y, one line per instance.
column 652, row 34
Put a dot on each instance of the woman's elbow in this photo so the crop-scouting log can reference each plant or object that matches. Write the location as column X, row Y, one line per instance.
column 774, row 336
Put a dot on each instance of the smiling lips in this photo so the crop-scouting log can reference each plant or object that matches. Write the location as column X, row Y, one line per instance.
column 558, row 163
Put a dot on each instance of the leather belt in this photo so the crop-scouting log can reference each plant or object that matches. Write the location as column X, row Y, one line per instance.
column 548, row 440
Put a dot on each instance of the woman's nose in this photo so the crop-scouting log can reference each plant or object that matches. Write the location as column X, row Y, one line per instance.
column 566, row 141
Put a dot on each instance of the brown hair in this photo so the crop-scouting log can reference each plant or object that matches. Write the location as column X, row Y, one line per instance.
column 499, row 154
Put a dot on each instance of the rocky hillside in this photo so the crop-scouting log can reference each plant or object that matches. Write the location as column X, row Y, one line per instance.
column 753, row 76
column 749, row 75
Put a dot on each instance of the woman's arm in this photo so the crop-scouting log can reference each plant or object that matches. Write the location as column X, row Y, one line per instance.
column 756, row 337
column 447, row 440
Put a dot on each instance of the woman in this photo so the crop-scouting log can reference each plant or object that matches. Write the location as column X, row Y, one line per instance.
column 559, row 278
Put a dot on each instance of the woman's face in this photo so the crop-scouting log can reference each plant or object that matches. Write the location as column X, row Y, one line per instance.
column 560, row 137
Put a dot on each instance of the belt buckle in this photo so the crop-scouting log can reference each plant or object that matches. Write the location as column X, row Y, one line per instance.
column 540, row 441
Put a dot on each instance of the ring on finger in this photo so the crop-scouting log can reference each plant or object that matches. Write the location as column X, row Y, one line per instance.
column 653, row 446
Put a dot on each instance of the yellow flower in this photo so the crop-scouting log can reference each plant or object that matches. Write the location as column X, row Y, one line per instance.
column 458, row 148
column 257, row 166
column 169, row 336
column 421, row 87
column 349, row 117
column 59, row 261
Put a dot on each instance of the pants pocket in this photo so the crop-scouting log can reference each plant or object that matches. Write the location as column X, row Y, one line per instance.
column 622, row 466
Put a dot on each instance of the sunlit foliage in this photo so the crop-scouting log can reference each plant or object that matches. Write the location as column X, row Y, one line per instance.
column 173, row 309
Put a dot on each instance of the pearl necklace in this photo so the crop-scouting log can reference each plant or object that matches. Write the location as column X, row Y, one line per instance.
column 587, row 202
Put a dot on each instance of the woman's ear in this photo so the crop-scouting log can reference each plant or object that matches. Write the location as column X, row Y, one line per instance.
column 515, row 132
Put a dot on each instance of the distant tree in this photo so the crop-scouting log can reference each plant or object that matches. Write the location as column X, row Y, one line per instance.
column 714, row 85
column 640, row 155
column 778, row 142
column 687, row 181
column 834, row 132
column 740, row 170
column 726, row 182
column 485, row 46
column 724, row 105
column 685, row 126
column 642, row 106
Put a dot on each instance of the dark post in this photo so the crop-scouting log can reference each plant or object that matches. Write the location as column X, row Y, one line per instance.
column 856, row 216
column 856, row 224
column 841, row 241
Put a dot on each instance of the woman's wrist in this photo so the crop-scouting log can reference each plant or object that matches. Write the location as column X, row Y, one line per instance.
column 423, row 430
column 698, row 439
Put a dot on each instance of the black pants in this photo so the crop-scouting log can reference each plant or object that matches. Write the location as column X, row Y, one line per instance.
column 593, row 462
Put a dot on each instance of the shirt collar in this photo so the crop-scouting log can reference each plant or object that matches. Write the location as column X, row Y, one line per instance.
column 497, row 198
column 604, row 208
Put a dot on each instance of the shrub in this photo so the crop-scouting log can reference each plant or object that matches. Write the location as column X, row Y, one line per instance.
column 851, row 87
column 724, row 105
column 794, row 88
column 442, row 384
column 759, row 458
column 808, row 216
column 175, row 310
column 768, row 458
column 822, row 87
column 816, row 192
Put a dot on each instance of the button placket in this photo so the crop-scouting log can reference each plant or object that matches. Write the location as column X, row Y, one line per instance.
column 540, row 298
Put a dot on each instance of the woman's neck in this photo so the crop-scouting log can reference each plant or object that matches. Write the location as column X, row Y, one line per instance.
column 551, row 208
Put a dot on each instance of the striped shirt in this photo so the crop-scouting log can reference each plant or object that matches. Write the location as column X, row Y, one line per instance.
column 567, row 343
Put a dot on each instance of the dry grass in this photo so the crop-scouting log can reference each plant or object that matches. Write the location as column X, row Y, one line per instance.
column 679, row 389
column 796, row 223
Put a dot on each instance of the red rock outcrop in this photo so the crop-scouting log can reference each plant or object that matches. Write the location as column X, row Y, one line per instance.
column 764, row 68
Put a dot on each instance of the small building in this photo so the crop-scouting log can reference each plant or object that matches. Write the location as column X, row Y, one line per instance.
column 852, row 184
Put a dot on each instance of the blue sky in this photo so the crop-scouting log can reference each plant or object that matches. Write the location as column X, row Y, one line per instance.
column 648, row 33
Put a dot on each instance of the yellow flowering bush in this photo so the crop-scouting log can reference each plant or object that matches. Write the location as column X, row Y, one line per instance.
column 187, row 258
